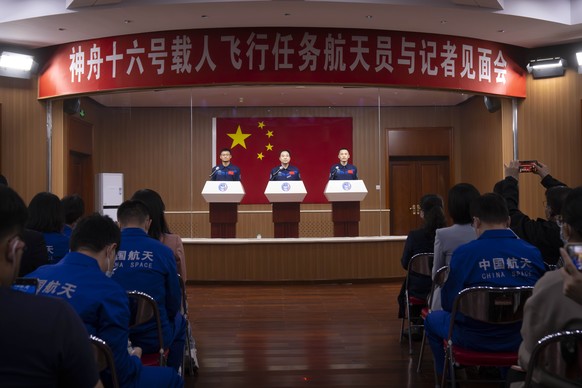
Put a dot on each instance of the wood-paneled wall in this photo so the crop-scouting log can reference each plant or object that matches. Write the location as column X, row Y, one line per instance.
column 23, row 150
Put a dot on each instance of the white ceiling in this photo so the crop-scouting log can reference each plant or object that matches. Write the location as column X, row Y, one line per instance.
column 525, row 23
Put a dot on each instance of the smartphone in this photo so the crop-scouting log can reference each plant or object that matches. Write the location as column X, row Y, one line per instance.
column 575, row 253
column 528, row 165
column 26, row 285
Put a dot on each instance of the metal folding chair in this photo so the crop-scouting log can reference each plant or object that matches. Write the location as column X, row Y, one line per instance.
column 104, row 359
column 439, row 279
column 143, row 309
column 556, row 361
column 420, row 264
column 493, row 305
column 188, row 363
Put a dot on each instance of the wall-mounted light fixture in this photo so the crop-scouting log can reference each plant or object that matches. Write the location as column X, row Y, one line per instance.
column 547, row 67
column 16, row 65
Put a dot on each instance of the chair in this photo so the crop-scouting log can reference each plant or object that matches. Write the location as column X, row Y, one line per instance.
column 439, row 279
column 188, row 365
column 143, row 309
column 420, row 264
column 493, row 305
column 556, row 361
column 104, row 359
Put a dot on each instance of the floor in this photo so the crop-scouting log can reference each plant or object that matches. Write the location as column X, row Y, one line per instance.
column 330, row 335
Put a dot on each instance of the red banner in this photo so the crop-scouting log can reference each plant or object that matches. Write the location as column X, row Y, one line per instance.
column 284, row 56
column 256, row 143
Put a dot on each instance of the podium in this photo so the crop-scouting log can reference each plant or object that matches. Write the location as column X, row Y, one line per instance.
column 286, row 198
column 223, row 198
column 345, row 197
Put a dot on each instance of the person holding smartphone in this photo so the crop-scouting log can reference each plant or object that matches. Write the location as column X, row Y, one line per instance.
column 549, row 310
column 542, row 233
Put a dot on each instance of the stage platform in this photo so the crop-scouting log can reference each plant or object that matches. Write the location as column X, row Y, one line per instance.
column 333, row 259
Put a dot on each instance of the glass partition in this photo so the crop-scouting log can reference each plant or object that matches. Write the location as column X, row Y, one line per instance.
column 168, row 140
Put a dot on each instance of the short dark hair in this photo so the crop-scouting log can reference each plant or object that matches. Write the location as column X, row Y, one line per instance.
column 225, row 149
column 459, row 202
column 156, row 209
column 45, row 213
column 94, row 233
column 3, row 180
column 132, row 211
column 73, row 207
column 289, row 152
column 555, row 197
column 490, row 208
column 13, row 212
column 572, row 209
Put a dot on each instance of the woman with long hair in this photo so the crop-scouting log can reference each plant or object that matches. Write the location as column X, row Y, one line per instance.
column 421, row 241
column 159, row 227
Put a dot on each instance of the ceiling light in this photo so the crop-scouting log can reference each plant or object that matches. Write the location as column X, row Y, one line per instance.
column 14, row 61
column 547, row 67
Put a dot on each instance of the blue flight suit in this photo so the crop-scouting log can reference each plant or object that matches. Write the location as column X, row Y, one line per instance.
column 339, row 172
column 57, row 246
column 103, row 306
column 291, row 173
column 225, row 173
column 145, row 264
column 497, row 258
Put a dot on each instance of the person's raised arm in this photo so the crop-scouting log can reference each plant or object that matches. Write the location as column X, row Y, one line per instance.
column 547, row 180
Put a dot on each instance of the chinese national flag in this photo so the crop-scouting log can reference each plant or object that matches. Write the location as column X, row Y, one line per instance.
column 313, row 142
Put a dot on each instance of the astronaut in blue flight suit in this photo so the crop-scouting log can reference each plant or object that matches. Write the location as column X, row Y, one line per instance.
column 225, row 171
column 81, row 279
column 285, row 172
column 145, row 264
column 496, row 258
column 343, row 171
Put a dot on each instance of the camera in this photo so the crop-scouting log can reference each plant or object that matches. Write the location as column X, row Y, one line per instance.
column 575, row 253
column 528, row 165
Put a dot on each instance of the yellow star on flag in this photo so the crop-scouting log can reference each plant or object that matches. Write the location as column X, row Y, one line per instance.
column 269, row 147
column 238, row 138
column 261, row 124
column 269, row 133
column 260, row 156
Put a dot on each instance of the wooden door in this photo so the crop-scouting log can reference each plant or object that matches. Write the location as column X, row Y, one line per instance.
column 81, row 179
column 80, row 176
column 410, row 179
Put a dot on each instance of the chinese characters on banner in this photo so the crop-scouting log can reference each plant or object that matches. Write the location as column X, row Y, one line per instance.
column 283, row 56
column 256, row 143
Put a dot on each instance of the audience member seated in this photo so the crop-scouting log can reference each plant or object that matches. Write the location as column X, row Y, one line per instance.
column 46, row 216
column 160, row 230
column 548, row 310
column 145, row 264
column 82, row 279
column 544, row 234
column 43, row 342
column 448, row 239
column 496, row 258
column 73, row 208
column 421, row 241
column 35, row 253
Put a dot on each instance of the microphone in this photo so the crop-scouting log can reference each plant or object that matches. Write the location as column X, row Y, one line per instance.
column 275, row 173
column 214, row 172
column 333, row 173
